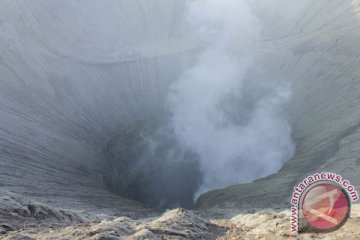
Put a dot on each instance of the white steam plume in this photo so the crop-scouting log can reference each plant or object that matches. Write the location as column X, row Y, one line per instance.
column 237, row 142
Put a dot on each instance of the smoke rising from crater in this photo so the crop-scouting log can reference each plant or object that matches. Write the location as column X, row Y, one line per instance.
column 83, row 90
column 223, row 108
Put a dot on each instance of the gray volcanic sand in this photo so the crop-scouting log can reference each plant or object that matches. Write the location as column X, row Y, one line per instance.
column 45, row 223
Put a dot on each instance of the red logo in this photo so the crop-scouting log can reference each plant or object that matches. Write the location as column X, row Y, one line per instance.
column 326, row 207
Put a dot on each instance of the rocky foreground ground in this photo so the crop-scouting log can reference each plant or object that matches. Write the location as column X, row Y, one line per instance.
column 22, row 219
